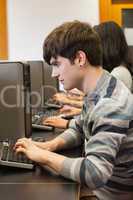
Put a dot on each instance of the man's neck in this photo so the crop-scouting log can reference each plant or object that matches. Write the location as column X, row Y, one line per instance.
column 91, row 78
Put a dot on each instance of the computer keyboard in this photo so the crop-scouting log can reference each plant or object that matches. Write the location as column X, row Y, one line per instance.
column 8, row 156
column 37, row 119
column 37, row 123
column 41, row 116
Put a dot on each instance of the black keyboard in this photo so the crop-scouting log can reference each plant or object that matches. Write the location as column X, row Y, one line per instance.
column 8, row 157
column 41, row 116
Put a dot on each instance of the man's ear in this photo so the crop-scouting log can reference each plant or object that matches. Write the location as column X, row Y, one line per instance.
column 80, row 58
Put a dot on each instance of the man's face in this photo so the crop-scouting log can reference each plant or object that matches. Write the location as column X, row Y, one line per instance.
column 67, row 73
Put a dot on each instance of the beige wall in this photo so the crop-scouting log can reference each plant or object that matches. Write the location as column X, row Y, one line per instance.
column 30, row 21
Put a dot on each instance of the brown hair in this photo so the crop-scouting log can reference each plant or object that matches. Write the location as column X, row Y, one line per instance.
column 71, row 37
column 115, row 47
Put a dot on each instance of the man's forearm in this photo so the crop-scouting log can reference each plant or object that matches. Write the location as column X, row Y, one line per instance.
column 53, row 145
column 53, row 161
column 61, row 164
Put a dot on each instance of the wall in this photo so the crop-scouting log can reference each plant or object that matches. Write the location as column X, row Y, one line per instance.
column 30, row 21
column 3, row 31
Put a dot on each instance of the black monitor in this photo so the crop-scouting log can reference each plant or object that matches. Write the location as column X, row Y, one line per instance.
column 37, row 82
column 15, row 113
column 43, row 86
column 51, row 85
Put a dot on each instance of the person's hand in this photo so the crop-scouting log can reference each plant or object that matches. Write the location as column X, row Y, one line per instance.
column 27, row 147
column 60, row 97
column 69, row 110
column 64, row 98
column 59, row 122
column 56, row 122
column 72, row 102
column 76, row 92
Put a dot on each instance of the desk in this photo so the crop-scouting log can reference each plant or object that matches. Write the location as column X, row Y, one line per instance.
column 40, row 184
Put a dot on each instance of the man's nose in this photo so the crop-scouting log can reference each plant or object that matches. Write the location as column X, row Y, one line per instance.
column 55, row 72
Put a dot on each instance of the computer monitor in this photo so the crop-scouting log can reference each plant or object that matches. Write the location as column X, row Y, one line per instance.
column 37, row 82
column 15, row 113
column 51, row 85
column 42, row 83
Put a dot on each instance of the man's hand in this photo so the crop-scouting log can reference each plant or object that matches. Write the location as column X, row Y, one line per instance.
column 60, row 97
column 52, row 145
column 44, row 157
column 59, row 122
column 76, row 92
column 27, row 147
column 56, row 122
column 69, row 110
column 65, row 99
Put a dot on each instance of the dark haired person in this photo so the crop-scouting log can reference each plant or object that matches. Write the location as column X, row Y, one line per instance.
column 105, row 125
column 116, row 59
column 116, row 55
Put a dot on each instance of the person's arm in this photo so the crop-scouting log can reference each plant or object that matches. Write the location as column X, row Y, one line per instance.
column 109, row 128
column 96, row 167
column 44, row 157
column 123, row 74
column 94, row 170
column 52, row 145
column 70, row 138
column 59, row 122
column 41, row 151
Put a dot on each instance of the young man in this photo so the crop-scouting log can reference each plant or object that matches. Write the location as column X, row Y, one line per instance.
column 106, row 121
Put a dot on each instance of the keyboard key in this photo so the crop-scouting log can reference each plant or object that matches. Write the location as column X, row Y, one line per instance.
column 4, row 153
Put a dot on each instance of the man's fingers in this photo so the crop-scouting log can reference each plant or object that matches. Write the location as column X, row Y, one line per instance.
column 48, row 123
column 51, row 119
column 23, row 140
column 20, row 150
column 21, row 143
